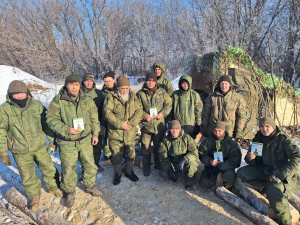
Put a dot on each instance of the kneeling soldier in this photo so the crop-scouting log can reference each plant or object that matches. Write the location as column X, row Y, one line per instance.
column 219, row 153
column 22, row 130
column 178, row 153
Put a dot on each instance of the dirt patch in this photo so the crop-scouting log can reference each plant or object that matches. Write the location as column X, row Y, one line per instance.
column 36, row 87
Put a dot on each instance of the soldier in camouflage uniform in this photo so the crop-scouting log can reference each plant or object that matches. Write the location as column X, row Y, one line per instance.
column 22, row 131
column 160, row 69
column 231, row 154
column 108, row 88
column 123, row 112
column 89, row 87
column 187, row 107
column 178, row 153
column 153, row 98
column 74, row 143
column 276, row 171
column 224, row 104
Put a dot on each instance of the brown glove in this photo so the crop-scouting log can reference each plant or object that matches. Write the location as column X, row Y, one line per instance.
column 52, row 146
column 6, row 160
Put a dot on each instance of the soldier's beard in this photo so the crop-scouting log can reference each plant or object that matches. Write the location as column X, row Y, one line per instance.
column 124, row 97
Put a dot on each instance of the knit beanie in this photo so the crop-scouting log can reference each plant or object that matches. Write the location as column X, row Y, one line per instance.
column 151, row 77
column 72, row 78
column 123, row 81
column 88, row 76
column 267, row 120
column 17, row 86
column 219, row 125
column 174, row 124
column 110, row 74
column 226, row 78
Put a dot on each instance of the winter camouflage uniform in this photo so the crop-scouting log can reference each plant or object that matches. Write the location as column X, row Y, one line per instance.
column 153, row 130
column 172, row 150
column 280, row 157
column 161, row 80
column 122, row 142
column 22, row 131
column 231, row 156
column 187, row 107
column 229, row 108
column 60, row 115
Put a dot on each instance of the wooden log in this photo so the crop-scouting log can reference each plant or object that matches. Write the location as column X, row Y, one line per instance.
column 295, row 201
column 42, row 216
column 253, row 214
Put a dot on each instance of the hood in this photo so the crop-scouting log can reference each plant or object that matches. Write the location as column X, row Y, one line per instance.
column 161, row 66
column 188, row 79
column 10, row 101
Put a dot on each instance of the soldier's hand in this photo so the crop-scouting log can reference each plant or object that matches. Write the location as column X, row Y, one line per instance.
column 95, row 140
column 125, row 125
column 214, row 163
column 74, row 131
column 251, row 156
column 159, row 116
column 172, row 175
column 52, row 146
column 180, row 165
column 148, row 118
column 6, row 160
column 274, row 179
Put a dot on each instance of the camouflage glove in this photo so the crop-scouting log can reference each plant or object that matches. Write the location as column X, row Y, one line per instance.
column 180, row 165
column 172, row 175
column 274, row 179
column 52, row 146
column 6, row 160
column 197, row 129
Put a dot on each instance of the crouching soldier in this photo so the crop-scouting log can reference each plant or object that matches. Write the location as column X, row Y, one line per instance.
column 178, row 153
column 274, row 168
column 22, row 131
column 157, row 105
column 74, row 117
column 123, row 112
column 219, row 153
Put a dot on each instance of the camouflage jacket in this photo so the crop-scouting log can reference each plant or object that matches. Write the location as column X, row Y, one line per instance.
column 187, row 105
column 63, row 110
column 95, row 94
column 280, row 154
column 104, row 92
column 160, row 100
column 162, row 81
column 232, row 155
column 172, row 150
column 230, row 109
column 23, row 130
column 115, row 112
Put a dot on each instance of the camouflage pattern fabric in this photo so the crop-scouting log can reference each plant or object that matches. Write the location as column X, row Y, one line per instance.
column 229, row 108
column 172, row 150
column 120, row 150
column 161, row 80
column 187, row 107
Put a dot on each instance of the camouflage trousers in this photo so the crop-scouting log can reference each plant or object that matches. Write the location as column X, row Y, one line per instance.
column 30, row 182
column 210, row 174
column 190, row 170
column 69, row 153
column 146, row 145
column 120, row 150
column 276, row 193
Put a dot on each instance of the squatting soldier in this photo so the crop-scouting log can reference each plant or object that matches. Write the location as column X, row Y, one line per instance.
column 276, row 170
column 226, row 105
column 187, row 107
column 74, row 117
column 157, row 105
column 219, row 153
column 178, row 153
column 22, row 131
column 159, row 69
column 109, row 87
column 89, row 87
column 123, row 112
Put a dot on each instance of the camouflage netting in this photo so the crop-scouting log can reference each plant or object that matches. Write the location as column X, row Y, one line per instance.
column 252, row 83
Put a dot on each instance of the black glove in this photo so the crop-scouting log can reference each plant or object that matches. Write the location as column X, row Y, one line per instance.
column 197, row 129
column 6, row 160
column 172, row 175
column 179, row 165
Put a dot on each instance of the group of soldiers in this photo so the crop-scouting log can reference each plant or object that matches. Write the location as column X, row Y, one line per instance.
column 77, row 112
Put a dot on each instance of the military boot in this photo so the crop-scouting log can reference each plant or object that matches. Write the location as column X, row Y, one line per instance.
column 118, row 174
column 93, row 191
column 129, row 171
column 70, row 199
column 146, row 166
column 35, row 203
column 189, row 183
column 100, row 168
column 58, row 193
